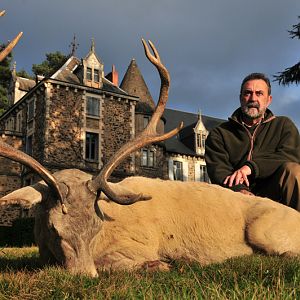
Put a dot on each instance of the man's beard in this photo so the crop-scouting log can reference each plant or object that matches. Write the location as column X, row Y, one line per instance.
column 253, row 111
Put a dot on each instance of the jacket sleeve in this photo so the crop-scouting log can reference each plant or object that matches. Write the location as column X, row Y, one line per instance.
column 287, row 150
column 217, row 159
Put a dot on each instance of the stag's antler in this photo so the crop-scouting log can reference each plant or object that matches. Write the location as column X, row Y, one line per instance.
column 11, row 45
column 148, row 136
column 18, row 156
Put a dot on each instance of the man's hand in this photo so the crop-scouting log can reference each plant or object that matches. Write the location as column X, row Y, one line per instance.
column 238, row 177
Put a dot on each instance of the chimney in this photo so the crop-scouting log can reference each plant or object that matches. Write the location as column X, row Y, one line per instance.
column 113, row 76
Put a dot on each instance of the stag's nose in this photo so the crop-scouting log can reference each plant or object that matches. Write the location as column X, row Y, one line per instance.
column 94, row 273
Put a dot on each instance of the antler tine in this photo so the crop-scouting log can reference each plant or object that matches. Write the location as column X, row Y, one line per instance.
column 18, row 156
column 148, row 136
column 11, row 45
column 165, row 82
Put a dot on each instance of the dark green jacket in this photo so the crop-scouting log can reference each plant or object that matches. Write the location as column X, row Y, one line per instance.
column 230, row 146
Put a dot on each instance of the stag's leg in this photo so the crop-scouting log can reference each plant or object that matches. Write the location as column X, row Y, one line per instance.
column 274, row 229
column 131, row 254
column 156, row 265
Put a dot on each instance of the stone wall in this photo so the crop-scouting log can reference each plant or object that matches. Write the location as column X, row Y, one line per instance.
column 64, row 121
column 117, row 128
column 8, row 214
column 10, row 171
column 10, row 180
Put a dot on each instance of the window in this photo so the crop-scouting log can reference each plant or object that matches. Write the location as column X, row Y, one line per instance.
column 10, row 124
column 89, row 73
column 19, row 122
column 30, row 111
column 177, row 170
column 92, row 106
column 96, row 75
column 147, row 158
column 203, row 174
column 146, row 121
column 29, row 145
column 201, row 140
column 91, row 146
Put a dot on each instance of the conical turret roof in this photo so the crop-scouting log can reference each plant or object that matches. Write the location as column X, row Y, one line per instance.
column 134, row 84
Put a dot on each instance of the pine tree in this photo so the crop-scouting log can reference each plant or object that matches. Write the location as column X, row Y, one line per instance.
column 5, row 76
column 52, row 63
column 291, row 74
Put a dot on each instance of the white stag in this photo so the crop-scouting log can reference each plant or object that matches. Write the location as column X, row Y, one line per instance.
column 87, row 224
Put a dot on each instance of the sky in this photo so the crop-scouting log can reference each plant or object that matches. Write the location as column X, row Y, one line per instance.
column 208, row 46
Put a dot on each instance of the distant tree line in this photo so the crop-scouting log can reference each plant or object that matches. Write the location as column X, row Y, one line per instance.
column 50, row 65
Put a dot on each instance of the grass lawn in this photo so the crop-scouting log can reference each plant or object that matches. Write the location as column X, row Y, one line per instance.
column 254, row 277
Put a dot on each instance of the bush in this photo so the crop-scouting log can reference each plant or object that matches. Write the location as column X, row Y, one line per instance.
column 19, row 234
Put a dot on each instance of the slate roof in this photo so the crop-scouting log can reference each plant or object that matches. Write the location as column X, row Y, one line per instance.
column 67, row 73
column 25, row 84
column 134, row 84
column 173, row 119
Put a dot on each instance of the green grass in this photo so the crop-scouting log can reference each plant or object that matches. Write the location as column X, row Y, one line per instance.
column 255, row 277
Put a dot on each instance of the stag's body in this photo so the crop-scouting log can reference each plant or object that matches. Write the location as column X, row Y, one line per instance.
column 183, row 220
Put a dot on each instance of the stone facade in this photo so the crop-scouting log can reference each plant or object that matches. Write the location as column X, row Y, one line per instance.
column 59, row 117
column 77, row 118
column 10, row 171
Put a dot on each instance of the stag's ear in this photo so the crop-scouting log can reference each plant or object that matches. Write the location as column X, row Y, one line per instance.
column 26, row 196
column 31, row 195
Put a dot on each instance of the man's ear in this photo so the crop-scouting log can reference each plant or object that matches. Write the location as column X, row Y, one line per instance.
column 270, row 100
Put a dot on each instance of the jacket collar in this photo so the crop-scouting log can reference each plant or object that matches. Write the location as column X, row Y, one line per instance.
column 237, row 116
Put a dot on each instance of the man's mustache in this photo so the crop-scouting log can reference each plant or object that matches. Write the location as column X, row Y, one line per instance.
column 252, row 105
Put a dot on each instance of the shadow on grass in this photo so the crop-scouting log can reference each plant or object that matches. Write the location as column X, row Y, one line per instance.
column 28, row 262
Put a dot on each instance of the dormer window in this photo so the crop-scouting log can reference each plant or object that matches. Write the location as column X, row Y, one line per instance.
column 96, row 75
column 89, row 73
column 92, row 69
column 201, row 137
column 200, row 142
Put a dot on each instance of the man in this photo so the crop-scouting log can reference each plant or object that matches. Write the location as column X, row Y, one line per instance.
column 255, row 152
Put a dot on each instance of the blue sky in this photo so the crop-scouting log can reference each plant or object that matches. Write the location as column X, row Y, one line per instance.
column 209, row 46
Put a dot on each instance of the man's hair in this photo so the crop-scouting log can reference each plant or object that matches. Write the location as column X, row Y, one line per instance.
column 253, row 76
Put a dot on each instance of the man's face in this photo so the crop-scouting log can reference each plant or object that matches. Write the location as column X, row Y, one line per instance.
column 255, row 98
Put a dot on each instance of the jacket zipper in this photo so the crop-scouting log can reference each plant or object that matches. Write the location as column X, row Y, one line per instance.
column 252, row 137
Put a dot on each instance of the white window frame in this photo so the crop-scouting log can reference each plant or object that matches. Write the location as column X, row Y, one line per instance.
column 149, row 159
column 199, row 176
column 184, row 168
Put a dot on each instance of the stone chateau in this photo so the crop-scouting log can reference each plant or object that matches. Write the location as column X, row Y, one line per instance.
column 78, row 117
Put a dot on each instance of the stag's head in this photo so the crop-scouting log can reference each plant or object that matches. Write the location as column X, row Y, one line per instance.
column 69, row 216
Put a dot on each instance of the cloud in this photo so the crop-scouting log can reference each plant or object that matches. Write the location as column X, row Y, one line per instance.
column 208, row 46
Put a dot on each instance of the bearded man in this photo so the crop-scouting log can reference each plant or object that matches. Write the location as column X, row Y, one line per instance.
column 256, row 152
